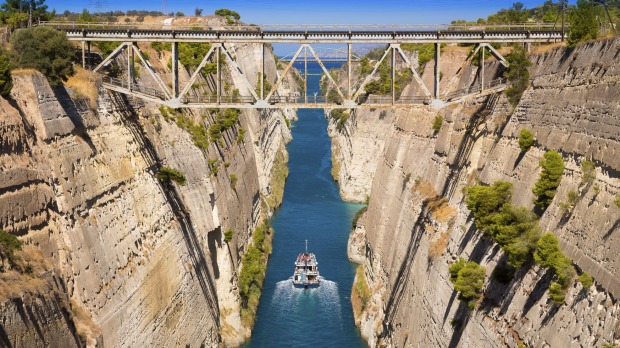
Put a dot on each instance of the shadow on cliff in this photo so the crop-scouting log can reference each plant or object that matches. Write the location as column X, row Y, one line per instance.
column 404, row 272
column 459, row 323
column 75, row 111
column 194, row 248
column 464, row 149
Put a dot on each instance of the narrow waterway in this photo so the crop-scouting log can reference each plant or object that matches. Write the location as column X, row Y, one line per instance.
column 312, row 210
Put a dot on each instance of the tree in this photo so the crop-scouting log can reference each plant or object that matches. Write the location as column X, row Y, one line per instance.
column 584, row 26
column 547, row 246
column 517, row 74
column 224, row 12
column 44, row 49
column 437, row 122
column 198, row 12
column 9, row 244
column 526, row 139
column 167, row 175
column 86, row 17
column 6, row 82
column 469, row 282
column 549, row 180
column 38, row 8
column 455, row 268
column 485, row 201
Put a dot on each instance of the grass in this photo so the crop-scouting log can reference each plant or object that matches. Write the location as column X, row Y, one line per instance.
column 361, row 294
column 336, row 165
column 254, row 267
column 84, row 84
column 438, row 246
column 279, row 173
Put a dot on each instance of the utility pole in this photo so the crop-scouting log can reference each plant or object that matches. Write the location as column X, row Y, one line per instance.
column 563, row 12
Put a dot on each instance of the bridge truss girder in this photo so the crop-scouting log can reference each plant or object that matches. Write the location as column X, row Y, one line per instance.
column 176, row 97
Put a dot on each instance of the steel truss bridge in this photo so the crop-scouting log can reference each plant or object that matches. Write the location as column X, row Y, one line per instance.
column 221, row 40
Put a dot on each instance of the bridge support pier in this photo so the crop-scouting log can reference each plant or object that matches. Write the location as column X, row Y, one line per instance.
column 437, row 69
column 482, row 52
column 130, row 64
column 175, row 70
column 84, row 54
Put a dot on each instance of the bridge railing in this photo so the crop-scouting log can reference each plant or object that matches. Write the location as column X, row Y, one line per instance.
column 297, row 28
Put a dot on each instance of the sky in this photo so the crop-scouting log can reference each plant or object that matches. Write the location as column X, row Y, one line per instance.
column 315, row 11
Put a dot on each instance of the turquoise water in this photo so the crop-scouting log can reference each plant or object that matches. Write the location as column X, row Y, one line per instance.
column 312, row 210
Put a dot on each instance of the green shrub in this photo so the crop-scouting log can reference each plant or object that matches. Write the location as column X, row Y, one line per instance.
column 6, row 81
column 526, row 139
column 517, row 74
column 9, row 244
column 44, row 49
column 455, row 268
column 233, row 181
column 341, row 116
column 557, row 293
column 485, row 201
column 588, row 172
column 617, row 201
column 212, row 163
column 551, row 256
column 469, row 281
column 241, row 135
column 516, row 231
column 253, row 269
column 437, row 123
column 549, row 180
column 585, row 280
column 357, row 216
column 166, row 174
column 228, row 235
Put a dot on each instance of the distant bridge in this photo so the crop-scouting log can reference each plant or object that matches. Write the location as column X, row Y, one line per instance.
column 390, row 36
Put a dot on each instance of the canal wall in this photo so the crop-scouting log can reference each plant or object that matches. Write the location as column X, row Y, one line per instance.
column 136, row 261
column 417, row 224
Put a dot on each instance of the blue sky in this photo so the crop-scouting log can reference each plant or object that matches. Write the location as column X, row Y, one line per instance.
column 316, row 11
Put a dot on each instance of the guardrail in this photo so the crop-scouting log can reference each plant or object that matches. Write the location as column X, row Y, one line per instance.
column 304, row 27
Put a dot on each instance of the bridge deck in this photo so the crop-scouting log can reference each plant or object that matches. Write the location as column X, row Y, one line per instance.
column 376, row 34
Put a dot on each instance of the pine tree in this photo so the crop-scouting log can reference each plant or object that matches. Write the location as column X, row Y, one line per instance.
column 549, row 180
column 583, row 23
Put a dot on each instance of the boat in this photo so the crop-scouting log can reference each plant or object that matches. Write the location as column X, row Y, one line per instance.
column 306, row 271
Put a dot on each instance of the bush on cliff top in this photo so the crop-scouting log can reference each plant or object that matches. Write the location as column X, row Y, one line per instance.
column 44, row 49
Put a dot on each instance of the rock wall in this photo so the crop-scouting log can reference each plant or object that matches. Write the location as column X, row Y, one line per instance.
column 144, row 260
column 417, row 223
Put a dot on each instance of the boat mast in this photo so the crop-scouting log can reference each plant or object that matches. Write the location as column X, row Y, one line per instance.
column 306, row 246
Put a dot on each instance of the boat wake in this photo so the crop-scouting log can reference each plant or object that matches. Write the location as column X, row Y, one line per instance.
column 295, row 302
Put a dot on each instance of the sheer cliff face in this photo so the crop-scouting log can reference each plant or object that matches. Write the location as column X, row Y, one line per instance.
column 417, row 224
column 146, row 261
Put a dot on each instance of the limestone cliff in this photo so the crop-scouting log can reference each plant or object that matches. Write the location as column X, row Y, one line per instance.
column 417, row 223
column 143, row 262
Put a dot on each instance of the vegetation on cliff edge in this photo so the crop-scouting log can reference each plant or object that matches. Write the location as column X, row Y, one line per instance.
column 253, row 269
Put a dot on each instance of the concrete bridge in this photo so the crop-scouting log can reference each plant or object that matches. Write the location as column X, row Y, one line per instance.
column 221, row 39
